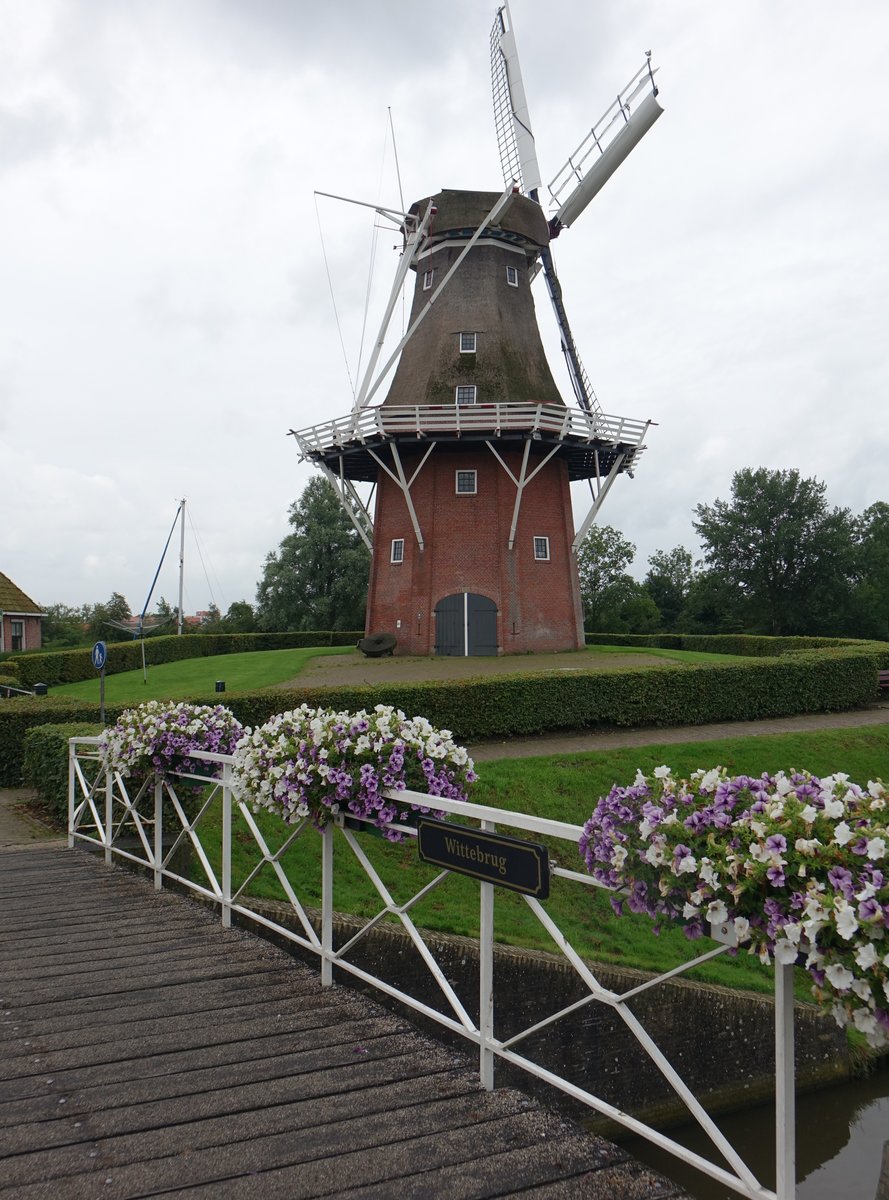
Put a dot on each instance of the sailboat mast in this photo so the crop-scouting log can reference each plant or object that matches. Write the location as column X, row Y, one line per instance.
column 181, row 564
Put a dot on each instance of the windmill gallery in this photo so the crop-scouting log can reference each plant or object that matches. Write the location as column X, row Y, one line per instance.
column 472, row 450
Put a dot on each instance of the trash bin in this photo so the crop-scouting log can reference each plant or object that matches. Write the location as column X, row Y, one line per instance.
column 220, row 685
column 40, row 689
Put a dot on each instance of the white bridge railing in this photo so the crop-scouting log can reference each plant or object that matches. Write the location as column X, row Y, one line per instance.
column 102, row 814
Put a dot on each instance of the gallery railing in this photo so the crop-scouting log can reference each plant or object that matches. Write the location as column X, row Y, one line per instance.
column 162, row 816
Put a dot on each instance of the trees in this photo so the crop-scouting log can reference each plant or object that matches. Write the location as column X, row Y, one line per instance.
column 63, row 626
column 317, row 578
column 100, row 617
column 786, row 557
column 613, row 602
column 668, row 582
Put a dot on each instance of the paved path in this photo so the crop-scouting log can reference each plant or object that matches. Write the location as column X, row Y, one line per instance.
column 19, row 826
column 146, row 1051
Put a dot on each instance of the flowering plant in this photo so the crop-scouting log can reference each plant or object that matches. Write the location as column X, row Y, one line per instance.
column 158, row 737
column 795, row 862
column 316, row 762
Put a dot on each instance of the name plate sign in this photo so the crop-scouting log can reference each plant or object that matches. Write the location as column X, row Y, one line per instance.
column 491, row 857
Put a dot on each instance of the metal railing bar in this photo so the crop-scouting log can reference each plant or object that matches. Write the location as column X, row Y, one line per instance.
column 680, row 970
column 189, row 828
column 754, row 1191
column 415, row 935
column 564, row 1012
column 470, row 1032
column 604, row 994
column 291, row 935
column 694, row 1106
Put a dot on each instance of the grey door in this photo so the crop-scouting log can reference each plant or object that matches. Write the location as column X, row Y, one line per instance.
column 465, row 623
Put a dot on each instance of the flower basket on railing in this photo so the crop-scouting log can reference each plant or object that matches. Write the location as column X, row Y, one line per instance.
column 796, row 863
column 316, row 763
column 158, row 738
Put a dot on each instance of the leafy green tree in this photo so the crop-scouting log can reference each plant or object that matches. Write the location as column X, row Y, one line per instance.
column 317, row 578
column 100, row 619
column 605, row 585
column 786, row 557
column 64, row 626
column 669, row 579
column 240, row 618
column 870, row 601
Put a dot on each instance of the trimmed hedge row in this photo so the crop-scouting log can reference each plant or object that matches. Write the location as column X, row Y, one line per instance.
column 527, row 704
column 746, row 644
column 45, row 764
column 70, row 666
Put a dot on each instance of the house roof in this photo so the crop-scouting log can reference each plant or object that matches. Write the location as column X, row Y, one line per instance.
column 14, row 600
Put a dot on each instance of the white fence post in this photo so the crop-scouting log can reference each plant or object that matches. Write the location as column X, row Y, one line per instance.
column 785, row 1096
column 72, row 757
column 486, row 978
column 227, row 845
column 158, row 834
column 327, row 905
column 109, row 812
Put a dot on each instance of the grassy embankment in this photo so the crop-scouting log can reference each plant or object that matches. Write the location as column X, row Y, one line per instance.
column 197, row 676
column 266, row 668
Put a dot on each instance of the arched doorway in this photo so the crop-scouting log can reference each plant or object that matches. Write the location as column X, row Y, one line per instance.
column 465, row 623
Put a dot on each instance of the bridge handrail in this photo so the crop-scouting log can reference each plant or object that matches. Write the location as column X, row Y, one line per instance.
column 101, row 811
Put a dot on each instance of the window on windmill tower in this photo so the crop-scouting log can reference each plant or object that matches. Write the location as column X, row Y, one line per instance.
column 428, row 276
column 466, row 483
column 541, row 549
column 465, row 394
column 397, row 554
column 512, row 276
column 467, row 343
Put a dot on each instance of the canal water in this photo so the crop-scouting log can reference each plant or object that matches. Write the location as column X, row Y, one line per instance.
column 840, row 1132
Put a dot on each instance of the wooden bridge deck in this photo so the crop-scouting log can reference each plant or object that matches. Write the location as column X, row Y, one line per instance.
column 146, row 1051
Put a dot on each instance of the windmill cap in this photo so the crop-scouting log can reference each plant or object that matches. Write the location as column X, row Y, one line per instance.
column 458, row 214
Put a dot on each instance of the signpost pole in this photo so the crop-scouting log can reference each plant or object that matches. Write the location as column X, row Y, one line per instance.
column 486, row 978
column 98, row 657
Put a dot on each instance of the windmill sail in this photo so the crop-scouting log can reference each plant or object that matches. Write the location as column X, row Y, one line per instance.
column 617, row 132
column 512, row 121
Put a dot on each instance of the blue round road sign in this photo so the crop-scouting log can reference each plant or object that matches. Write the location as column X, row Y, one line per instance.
column 98, row 655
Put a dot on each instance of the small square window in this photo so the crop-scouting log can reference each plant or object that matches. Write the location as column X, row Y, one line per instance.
column 465, row 395
column 467, row 343
column 541, row 549
column 397, row 554
column 512, row 276
column 466, row 483
column 427, row 280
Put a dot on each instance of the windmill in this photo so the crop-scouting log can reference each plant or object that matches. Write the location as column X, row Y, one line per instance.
column 472, row 449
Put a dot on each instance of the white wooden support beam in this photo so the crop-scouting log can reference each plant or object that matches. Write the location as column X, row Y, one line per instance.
column 604, row 488
column 347, row 498
column 398, row 477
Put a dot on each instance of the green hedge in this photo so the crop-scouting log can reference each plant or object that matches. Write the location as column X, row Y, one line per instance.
column 528, row 704
column 748, row 645
column 45, row 764
column 802, row 681
column 70, row 666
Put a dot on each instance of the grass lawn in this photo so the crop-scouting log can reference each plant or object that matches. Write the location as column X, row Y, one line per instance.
column 685, row 656
column 197, row 676
column 563, row 787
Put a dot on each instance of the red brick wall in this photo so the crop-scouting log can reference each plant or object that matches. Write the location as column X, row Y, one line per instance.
column 466, row 550
column 32, row 632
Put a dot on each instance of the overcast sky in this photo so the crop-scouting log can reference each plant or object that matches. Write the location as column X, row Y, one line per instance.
column 165, row 316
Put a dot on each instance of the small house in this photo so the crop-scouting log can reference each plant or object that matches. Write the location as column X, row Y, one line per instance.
column 20, row 618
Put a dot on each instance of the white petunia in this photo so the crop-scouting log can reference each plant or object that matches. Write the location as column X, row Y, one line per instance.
column 876, row 848
column 689, row 911
column 662, row 772
column 839, row 977
column 809, row 813
column 845, row 919
column 785, row 952
column 866, row 956
column 717, row 912
column 842, row 834
column 834, row 808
